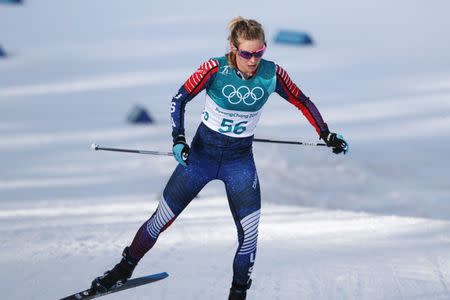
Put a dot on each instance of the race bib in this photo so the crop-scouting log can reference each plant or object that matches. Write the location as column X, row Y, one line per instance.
column 229, row 122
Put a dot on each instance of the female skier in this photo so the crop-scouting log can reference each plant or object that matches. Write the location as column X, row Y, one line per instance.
column 237, row 87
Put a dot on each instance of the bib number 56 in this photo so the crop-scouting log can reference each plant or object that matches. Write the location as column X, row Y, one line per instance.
column 229, row 126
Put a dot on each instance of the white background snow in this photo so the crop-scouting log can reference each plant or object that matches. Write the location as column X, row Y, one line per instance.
column 374, row 224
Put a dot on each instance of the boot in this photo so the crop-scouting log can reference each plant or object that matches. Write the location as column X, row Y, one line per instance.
column 239, row 292
column 117, row 276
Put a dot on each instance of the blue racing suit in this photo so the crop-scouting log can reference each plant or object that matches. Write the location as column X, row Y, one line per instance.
column 222, row 149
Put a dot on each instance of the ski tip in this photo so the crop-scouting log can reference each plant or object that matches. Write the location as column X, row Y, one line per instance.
column 94, row 146
column 158, row 276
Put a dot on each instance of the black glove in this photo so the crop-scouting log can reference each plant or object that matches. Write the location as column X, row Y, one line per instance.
column 180, row 150
column 336, row 141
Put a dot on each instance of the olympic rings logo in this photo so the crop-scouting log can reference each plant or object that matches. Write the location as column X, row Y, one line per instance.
column 243, row 93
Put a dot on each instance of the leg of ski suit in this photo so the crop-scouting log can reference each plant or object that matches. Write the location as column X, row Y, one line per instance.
column 212, row 156
column 243, row 192
column 184, row 184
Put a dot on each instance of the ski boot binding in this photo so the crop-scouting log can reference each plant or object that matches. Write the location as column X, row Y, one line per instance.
column 117, row 275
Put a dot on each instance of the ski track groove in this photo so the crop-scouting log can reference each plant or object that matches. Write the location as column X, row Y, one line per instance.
column 396, row 280
column 434, row 261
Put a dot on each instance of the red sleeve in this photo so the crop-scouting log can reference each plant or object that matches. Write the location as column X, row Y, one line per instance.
column 201, row 78
column 197, row 81
column 287, row 89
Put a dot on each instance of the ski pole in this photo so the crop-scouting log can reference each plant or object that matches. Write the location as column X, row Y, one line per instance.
column 289, row 142
column 97, row 147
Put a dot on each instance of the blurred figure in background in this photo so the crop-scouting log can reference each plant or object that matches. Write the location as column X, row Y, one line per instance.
column 237, row 85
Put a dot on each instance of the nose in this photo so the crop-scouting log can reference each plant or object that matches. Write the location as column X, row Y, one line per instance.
column 254, row 59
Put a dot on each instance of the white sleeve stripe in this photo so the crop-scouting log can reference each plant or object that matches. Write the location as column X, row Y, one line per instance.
column 167, row 209
column 278, row 69
column 247, row 250
column 251, row 232
column 251, row 225
column 250, row 237
column 253, row 214
column 251, row 245
column 249, row 220
column 159, row 220
column 196, row 78
column 163, row 215
column 250, row 241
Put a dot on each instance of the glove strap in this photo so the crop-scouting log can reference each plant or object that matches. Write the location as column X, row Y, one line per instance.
column 325, row 135
column 179, row 139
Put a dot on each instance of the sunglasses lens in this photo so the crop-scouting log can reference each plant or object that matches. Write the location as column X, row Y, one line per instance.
column 245, row 54
column 258, row 54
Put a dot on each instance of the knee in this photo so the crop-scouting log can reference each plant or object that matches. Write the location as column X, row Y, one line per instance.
column 161, row 219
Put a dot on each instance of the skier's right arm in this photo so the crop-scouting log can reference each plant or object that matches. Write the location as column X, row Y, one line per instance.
column 198, row 81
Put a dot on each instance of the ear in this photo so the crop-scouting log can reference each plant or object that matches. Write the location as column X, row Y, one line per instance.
column 232, row 47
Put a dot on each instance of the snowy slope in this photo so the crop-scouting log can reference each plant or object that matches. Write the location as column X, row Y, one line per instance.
column 371, row 225
column 304, row 253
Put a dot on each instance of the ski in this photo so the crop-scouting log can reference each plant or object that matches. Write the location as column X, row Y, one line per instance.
column 135, row 282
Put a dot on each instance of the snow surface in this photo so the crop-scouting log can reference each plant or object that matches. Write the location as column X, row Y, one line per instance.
column 374, row 224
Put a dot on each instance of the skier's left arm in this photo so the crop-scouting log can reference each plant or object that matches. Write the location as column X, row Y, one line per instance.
column 287, row 89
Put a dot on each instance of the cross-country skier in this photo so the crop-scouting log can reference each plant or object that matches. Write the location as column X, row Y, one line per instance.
column 237, row 87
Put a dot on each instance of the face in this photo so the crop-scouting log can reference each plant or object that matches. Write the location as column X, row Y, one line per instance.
column 246, row 65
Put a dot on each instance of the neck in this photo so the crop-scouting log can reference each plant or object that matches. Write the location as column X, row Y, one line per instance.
column 244, row 74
